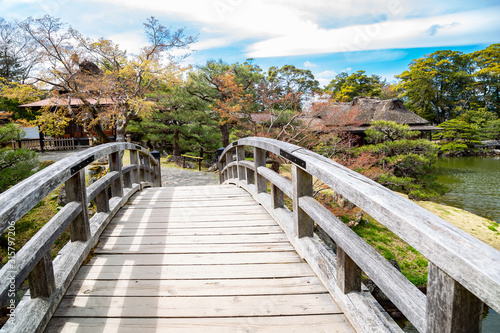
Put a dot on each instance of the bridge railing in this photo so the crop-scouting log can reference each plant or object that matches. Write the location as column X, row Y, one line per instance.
column 463, row 272
column 48, row 279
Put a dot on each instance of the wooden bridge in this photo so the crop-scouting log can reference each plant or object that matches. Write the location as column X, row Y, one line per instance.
column 230, row 258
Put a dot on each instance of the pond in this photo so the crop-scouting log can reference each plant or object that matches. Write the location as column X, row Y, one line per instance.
column 474, row 184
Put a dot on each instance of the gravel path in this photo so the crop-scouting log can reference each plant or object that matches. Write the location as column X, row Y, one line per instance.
column 169, row 176
column 183, row 177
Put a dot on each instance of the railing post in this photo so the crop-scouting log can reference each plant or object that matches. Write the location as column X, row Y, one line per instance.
column 147, row 166
column 302, row 186
column 240, row 156
column 278, row 200
column 259, row 157
column 451, row 307
column 115, row 164
column 102, row 201
column 76, row 191
column 348, row 273
column 229, row 159
column 41, row 279
column 157, row 176
column 135, row 173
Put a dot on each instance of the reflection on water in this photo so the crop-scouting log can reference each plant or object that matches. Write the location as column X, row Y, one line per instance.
column 474, row 184
column 475, row 187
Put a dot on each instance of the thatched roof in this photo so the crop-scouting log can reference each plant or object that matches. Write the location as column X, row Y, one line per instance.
column 373, row 108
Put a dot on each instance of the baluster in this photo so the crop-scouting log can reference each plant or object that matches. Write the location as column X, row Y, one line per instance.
column 157, row 175
column 147, row 172
column 229, row 158
column 450, row 307
column 240, row 156
column 259, row 157
column 41, row 279
column 278, row 200
column 302, row 186
column 115, row 164
column 76, row 191
column 134, row 173
column 222, row 165
column 348, row 273
column 250, row 176
column 102, row 201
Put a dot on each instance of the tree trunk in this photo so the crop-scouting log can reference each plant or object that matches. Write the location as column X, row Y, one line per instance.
column 121, row 127
column 175, row 144
column 103, row 138
column 224, row 129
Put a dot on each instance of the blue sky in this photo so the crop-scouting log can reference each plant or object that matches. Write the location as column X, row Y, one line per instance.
column 328, row 37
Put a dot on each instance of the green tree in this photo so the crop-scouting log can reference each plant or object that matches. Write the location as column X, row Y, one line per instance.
column 15, row 165
column 181, row 119
column 408, row 164
column 439, row 86
column 487, row 78
column 490, row 130
column 345, row 87
column 457, row 137
column 229, row 90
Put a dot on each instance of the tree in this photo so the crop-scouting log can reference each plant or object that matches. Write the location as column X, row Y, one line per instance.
column 229, row 90
column 487, row 78
column 408, row 164
column 345, row 87
column 439, row 86
column 457, row 137
column 180, row 119
column 16, row 56
column 99, row 72
column 15, row 165
column 490, row 130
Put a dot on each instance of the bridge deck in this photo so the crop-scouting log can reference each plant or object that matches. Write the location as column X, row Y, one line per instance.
column 189, row 259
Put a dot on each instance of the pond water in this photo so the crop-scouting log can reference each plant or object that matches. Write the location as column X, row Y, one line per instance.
column 474, row 184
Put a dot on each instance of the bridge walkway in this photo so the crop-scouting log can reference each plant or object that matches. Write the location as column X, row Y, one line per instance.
column 199, row 258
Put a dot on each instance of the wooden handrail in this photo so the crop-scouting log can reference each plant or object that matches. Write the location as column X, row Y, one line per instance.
column 463, row 271
column 48, row 280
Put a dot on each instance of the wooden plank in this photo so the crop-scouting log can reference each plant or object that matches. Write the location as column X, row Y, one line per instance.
column 157, row 218
column 195, row 248
column 216, row 306
column 146, row 231
column 226, row 287
column 194, row 272
column 191, row 225
column 195, row 259
column 213, row 205
column 278, row 324
column 202, row 239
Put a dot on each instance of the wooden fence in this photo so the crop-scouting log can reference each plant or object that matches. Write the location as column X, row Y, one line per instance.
column 463, row 272
column 48, row 279
column 48, row 144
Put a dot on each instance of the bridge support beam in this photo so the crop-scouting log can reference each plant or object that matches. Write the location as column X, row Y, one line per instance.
column 115, row 164
column 240, row 156
column 135, row 174
column 259, row 156
column 450, row 307
column 76, row 191
column 41, row 279
column 278, row 199
column 302, row 186
column 348, row 273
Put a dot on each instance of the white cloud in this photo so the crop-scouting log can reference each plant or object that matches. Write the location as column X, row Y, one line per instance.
column 348, row 69
column 469, row 28
column 326, row 74
column 309, row 64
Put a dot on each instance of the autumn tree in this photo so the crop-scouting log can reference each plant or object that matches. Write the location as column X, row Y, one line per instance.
column 229, row 90
column 98, row 73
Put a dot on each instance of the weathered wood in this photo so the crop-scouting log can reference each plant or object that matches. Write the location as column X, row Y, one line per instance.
column 278, row 199
column 240, row 157
column 135, row 172
column 220, row 287
column 271, row 324
column 101, row 185
column 216, row 306
column 115, row 164
column 409, row 300
column 348, row 273
column 259, row 161
column 76, row 191
column 281, row 182
column 302, row 186
column 147, row 231
column 41, row 279
column 450, row 307
column 102, row 202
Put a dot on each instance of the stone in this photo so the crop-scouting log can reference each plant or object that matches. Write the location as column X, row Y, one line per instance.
column 95, row 170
